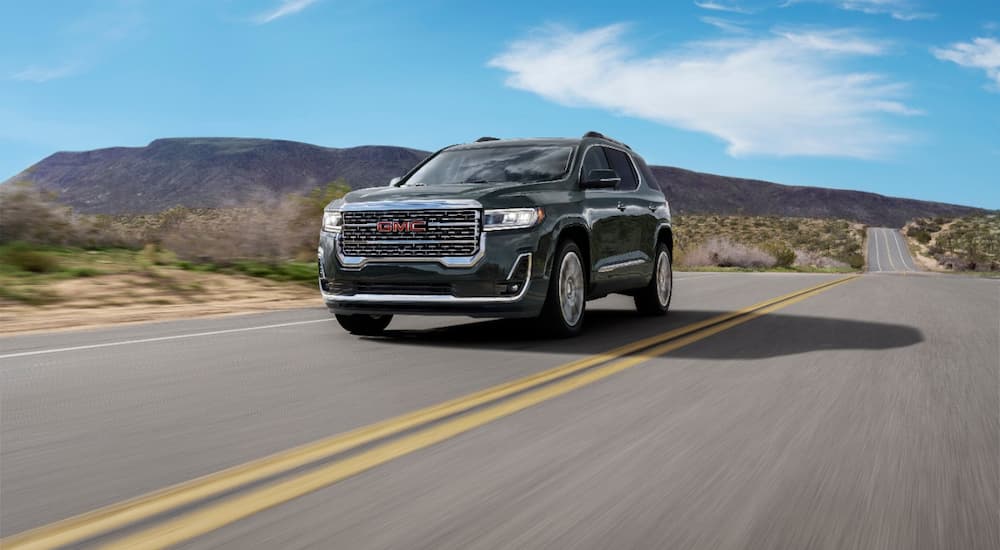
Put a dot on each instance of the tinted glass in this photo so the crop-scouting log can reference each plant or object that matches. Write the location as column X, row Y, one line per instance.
column 647, row 173
column 595, row 160
column 521, row 164
column 623, row 167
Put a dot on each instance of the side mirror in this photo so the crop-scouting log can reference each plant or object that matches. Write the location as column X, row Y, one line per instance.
column 394, row 182
column 601, row 179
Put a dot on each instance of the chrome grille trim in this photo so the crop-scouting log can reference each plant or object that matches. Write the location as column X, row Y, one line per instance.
column 453, row 235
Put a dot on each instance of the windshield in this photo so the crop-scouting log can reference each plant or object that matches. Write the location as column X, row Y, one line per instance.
column 520, row 164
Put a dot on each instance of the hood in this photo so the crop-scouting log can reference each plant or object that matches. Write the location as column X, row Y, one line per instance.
column 492, row 195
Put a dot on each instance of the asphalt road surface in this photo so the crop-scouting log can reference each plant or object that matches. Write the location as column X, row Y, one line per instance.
column 757, row 414
column 888, row 251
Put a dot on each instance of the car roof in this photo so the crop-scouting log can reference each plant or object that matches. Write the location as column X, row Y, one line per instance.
column 487, row 143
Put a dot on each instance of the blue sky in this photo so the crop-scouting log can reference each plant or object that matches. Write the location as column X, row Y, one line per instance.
column 900, row 97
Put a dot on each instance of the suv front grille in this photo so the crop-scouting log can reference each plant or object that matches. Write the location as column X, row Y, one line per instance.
column 392, row 233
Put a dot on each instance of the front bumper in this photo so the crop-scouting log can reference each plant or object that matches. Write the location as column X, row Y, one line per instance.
column 507, row 279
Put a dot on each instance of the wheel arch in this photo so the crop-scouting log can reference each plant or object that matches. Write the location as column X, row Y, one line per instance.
column 579, row 234
column 665, row 234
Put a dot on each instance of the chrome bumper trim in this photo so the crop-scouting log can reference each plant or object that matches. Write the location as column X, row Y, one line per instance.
column 612, row 267
column 405, row 299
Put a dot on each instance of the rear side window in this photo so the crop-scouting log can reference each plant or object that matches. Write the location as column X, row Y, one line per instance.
column 622, row 166
column 647, row 173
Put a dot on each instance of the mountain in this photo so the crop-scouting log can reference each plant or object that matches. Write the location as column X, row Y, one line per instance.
column 207, row 172
column 213, row 172
column 700, row 193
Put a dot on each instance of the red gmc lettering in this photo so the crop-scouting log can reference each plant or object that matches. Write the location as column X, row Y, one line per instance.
column 415, row 226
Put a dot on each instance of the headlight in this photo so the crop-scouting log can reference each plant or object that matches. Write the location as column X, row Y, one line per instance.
column 512, row 218
column 332, row 221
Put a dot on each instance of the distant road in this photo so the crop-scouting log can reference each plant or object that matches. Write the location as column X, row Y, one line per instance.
column 888, row 251
column 767, row 410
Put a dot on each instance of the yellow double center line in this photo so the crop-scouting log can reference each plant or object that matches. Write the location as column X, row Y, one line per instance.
column 437, row 427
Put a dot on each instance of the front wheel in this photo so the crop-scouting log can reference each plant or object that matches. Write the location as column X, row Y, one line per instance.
column 565, row 305
column 654, row 298
column 364, row 325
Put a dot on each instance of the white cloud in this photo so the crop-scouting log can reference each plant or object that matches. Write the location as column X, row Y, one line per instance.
column 36, row 73
column 903, row 10
column 724, row 25
column 286, row 7
column 981, row 53
column 721, row 6
column 770, row 95
column 834, row 41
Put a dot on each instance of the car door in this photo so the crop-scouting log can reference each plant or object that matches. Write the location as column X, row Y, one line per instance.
column 634, row 266
column 614, row 241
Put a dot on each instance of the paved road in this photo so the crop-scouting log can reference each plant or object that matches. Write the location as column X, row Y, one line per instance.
column 862, row 415
column 888, row 251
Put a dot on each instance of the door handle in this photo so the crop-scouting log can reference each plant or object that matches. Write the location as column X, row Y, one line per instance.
column 621, row 206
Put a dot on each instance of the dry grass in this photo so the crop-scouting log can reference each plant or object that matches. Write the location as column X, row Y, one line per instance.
column 140, row 296
column 721, row 252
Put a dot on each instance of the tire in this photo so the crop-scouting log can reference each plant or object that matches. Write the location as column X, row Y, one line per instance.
column 654, row 298
column 566, row 301
column 364, row 325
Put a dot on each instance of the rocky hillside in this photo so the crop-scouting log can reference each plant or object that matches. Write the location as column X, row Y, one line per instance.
column 212, row 172
column 700, row 193
column 207, row 172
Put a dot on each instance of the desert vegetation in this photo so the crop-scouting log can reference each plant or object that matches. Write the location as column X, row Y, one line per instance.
column 43, row 243
column 760, row 242
column 959, row 244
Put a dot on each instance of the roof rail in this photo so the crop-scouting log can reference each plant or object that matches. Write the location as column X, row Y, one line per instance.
column 487, row 138
column 593, row 134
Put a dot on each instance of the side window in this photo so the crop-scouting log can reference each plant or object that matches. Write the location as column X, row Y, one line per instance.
column 595, row 160
column 621, row 164
column 647, row 173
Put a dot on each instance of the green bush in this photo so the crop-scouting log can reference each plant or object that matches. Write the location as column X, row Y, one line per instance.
column 23, row 257
column 783, row 255
column 856, row 260
column 922, row 237
column 83, row 272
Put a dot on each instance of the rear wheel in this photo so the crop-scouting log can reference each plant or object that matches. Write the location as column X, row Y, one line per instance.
column 565, row 305
column 654, row 298
column 364, row 325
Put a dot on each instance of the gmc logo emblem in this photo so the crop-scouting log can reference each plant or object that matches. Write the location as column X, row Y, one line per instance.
column 411, row 226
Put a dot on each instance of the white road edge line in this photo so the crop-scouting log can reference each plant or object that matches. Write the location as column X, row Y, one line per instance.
column 896, row 237
column 160, row 338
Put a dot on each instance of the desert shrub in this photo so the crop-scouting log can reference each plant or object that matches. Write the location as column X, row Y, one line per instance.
column 722, row 252
column 856, row 260
column 24, row 257
column 805, row 258
column 269, row 230
column 33, row 216
column 28, row 215
column 783, row 255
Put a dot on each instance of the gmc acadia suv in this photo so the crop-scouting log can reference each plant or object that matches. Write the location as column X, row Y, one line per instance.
column 501, row 228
